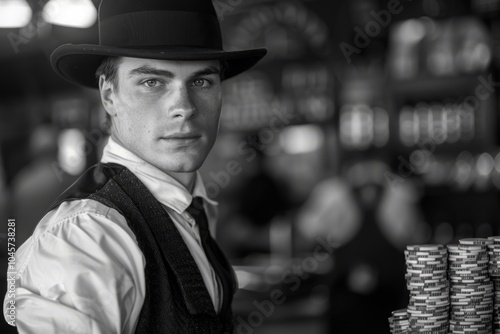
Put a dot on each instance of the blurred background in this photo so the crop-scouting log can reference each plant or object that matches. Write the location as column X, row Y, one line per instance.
column 371, row 125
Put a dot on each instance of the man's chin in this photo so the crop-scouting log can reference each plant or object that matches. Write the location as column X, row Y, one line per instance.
column 184, row 167
column 174, row 161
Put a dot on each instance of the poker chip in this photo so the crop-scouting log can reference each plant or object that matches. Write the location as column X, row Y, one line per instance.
column 496, row 239
column 453, row 289
column 476, row 241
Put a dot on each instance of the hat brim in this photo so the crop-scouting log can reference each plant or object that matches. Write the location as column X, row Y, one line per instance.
column 78, row 63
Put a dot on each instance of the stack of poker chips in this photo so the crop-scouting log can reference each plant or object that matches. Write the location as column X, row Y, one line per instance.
column 494, row 270
column 471, row 289
column 399, row 322
column 427, row 282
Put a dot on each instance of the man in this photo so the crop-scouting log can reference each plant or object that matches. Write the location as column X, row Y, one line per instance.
column 126, row 249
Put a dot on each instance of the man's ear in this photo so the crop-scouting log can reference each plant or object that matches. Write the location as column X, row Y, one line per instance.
column 107, row 91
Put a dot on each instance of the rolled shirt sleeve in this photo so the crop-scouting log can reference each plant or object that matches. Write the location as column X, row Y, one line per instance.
column 81, row 272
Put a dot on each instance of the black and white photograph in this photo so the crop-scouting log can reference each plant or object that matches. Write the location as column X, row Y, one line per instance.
column 250, row 166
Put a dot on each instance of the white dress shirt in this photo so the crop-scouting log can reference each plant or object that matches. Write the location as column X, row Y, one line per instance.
column 82, row 270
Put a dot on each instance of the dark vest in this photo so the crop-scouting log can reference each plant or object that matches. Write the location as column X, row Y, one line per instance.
column 177, row 300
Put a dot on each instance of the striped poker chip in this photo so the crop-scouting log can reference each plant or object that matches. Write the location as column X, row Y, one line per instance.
column 438, row 253
column 429, row 247
column 470, row 264
column 496, row 239
column 473, row 248
column 475, row 241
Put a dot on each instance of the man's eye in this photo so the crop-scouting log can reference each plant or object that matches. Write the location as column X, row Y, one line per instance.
column 203, row 83
column 151, row 83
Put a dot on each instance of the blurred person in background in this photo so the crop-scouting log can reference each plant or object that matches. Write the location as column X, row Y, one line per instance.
column 371, row 221
column 127, row 248
column 277, row 184
column 261, row 198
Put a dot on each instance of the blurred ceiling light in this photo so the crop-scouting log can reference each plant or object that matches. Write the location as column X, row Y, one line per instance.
column 70, row 13
column 411, row 31
column 14, row 13
column 71, row 151
column 485, row 164
column 301, row 139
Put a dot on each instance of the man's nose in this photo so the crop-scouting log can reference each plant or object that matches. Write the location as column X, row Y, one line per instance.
column 181, row 103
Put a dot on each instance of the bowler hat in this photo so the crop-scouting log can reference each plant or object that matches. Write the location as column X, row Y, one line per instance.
column 155, row 29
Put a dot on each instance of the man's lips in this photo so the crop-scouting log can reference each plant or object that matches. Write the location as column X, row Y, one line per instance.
column 182, row 136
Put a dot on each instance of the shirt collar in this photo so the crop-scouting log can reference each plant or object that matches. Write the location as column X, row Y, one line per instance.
column 167, row 190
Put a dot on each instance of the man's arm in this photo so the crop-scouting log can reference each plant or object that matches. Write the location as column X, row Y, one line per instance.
column 81, row 272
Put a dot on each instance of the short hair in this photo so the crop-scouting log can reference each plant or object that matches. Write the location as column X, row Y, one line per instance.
column 109, row 69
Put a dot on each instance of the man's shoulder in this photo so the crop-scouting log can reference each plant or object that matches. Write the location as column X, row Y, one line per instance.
column 77, row 211
column 90, row 182
column 72, row 222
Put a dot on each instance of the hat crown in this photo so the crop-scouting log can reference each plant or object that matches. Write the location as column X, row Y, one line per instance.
column 159, row 24
column 109, row 8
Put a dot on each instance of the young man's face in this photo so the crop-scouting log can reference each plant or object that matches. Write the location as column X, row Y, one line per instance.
column 165, row 112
